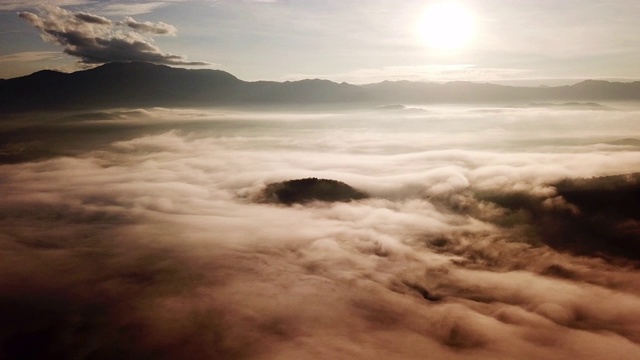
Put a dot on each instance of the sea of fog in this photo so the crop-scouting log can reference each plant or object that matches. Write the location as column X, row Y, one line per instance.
column 137, row 234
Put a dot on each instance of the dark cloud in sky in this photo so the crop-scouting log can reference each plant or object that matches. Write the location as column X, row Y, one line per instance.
column 96, row 40
column 158, row 28
column 144, row 239
column 92, row 19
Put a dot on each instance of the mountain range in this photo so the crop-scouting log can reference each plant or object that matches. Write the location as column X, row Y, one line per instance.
column 139, row 84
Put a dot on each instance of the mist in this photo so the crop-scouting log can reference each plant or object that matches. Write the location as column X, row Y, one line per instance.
column 139, row 234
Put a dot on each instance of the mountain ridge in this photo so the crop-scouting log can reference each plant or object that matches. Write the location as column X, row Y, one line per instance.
column 137, row 84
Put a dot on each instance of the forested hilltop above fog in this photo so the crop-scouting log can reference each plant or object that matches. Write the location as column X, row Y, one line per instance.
column 143, row 84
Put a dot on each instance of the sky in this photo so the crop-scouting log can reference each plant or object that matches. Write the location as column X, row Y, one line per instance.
column 342, row 40
column 151, row 233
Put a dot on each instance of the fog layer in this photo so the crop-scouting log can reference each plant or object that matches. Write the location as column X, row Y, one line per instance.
column 139, row 234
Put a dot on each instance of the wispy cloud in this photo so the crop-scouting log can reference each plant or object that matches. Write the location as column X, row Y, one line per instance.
column 109, row 8
column 30, row 56
column 129, row 9
column 8, row 5
column 149, row 27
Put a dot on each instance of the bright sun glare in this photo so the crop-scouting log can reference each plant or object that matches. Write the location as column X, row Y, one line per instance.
column 447, row 26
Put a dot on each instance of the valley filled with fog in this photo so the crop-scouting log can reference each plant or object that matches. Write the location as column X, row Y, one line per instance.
column 485, row 233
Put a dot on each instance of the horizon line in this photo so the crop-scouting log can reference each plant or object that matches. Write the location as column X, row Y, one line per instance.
column 501, row 82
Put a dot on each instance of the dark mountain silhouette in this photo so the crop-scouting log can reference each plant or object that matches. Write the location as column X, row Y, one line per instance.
column 469, row 92
column 301, row 191
column 625, row 142
column 138, row 84
column 453, row 92
column 15, row 153
column 604, row 218
column 609, row 218
column 117, row 84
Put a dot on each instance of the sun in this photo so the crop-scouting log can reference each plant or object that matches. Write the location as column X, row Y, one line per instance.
column 446, row 26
